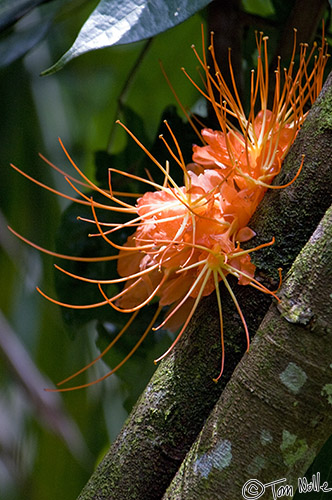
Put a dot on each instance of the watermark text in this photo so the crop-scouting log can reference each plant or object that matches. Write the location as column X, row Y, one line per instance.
column 254, row 489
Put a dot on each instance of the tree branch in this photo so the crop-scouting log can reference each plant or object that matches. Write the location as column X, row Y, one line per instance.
column 275, row 413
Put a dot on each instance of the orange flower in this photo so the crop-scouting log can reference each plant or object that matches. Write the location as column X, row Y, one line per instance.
column 257, row 147
column 251, row 154
column 187, row 238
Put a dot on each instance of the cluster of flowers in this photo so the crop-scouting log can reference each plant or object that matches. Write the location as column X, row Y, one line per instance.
column 188, row 238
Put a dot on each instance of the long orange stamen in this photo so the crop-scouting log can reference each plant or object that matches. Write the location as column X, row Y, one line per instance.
column 125, row 359
column 190, row 315
column 139, row 306
column 102, row 354
column 216, row 284
column 71, row 306
column 63, row 256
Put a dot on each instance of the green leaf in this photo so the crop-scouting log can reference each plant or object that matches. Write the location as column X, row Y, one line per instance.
column 114, row 23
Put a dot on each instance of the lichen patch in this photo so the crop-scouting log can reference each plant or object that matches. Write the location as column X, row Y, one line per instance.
column 218, row 458
column 293, row 377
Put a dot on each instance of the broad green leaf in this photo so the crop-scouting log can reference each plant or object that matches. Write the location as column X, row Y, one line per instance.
column 118, row 22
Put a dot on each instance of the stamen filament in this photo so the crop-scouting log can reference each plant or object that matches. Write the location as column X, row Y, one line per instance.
column 134, row 349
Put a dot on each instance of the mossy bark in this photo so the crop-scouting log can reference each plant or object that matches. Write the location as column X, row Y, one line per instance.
column 171, row 412
column 275, row 414
column 290, row 215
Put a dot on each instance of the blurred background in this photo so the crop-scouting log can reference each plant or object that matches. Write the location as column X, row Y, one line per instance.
column 50, row 442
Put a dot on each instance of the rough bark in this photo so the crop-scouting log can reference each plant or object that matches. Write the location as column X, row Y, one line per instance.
column 275, row 413
column 170, row 413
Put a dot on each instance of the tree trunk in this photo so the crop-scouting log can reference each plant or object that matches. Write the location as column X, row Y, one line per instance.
column 181, row 394
column 275, row 413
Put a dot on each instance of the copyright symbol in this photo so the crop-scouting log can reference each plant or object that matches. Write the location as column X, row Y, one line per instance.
column 252, row 489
